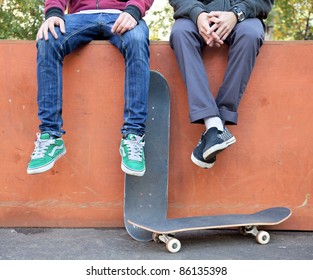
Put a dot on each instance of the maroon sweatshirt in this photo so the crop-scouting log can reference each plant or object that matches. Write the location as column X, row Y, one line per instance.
column 137, row 8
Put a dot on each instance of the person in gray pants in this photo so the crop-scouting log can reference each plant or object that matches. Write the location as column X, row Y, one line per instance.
column 202, row 23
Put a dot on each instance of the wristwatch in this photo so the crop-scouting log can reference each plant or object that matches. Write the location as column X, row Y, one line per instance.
column 239, row 13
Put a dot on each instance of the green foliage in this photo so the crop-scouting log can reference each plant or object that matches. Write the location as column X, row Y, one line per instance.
column 20, row 19
column 293, row 20
column 160, row 21
column 289, row 20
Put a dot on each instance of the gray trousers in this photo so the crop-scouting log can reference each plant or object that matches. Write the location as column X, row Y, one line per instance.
column 244, row 43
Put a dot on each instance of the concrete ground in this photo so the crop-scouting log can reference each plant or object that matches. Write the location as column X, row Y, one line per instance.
column 116, row 244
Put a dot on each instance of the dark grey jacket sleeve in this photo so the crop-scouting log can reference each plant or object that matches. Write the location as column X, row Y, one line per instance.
column 187, row 9
column 255, row 9
column 193, row 8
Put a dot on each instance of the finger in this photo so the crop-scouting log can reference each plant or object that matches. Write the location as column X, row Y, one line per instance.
column 215, row 20
column 218, row 44
column 223, row 33
column 125, row 25
column 225, row 36
column 45, row 33
column 131, row 25
column 212, row 28
column 204, row 36
column 113, row 29
column 214, row 14
column 62, row 27
column 52, row 31
column 119, row 29
column 219, row 33
column 39, row 34
column 213, row 43
column 209, row 40
column 216, row 37
column 116, row 26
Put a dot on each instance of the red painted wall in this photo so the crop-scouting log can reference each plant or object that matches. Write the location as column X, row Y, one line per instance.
column 270, row 165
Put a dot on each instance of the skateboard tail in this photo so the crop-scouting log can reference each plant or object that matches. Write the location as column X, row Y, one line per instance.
column 145, row 198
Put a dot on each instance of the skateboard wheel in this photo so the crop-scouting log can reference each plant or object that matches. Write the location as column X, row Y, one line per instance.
column 173, row 245
column 263, row 237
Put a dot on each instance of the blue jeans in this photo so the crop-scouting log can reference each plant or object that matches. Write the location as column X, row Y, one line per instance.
column 80, row 30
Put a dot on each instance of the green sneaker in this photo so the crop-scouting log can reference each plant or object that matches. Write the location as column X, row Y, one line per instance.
column 133, row 157
column 47, row 151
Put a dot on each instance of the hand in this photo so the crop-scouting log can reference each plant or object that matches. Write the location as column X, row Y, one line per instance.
column 124, row 22
column 204, row 23
column 225, row 24
column 49, row 25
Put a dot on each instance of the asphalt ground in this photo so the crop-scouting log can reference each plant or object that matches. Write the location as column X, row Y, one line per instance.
column 111, row 254
column 116, row 244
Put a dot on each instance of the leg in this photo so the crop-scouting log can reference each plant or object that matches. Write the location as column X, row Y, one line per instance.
column 49, row 147
column 244, row 44
column 80, row 29
column 134, row 46
column 188, row 45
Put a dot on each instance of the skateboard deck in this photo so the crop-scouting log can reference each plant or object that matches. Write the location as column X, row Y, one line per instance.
column 247, row 223
column 145, row 198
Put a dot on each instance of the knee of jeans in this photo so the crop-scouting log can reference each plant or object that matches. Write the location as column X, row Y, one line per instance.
column 43, row 45
column 137, row 36
column 136, row 41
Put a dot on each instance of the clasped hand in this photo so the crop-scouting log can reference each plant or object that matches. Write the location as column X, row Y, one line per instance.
column 214, row 27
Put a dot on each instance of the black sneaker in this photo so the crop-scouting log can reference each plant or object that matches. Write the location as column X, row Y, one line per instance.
column 197, row 157
column 216, row 141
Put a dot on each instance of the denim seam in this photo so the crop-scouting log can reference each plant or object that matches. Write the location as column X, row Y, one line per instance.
column 65, row 39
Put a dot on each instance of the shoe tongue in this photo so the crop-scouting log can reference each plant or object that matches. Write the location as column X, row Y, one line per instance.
column 45, row 136
column 133, row 137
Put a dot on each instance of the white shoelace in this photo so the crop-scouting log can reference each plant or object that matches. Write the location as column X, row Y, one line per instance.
column 41, row 147
column 134, row 148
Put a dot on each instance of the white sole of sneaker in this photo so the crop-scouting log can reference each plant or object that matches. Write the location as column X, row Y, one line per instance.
column 46, row 167
column 201, row 163
column 132, row 172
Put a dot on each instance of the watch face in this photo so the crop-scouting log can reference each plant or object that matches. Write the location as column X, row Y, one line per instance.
column 240, row 14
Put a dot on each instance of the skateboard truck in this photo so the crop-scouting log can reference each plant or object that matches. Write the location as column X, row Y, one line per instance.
column 173, row 245
column 261, row 236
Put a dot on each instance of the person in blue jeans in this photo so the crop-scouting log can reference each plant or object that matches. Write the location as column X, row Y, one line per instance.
column 119, row 22
column 211, row 23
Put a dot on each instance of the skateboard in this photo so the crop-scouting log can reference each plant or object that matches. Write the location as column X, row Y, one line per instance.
column 164, row 230
column 145, row 198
